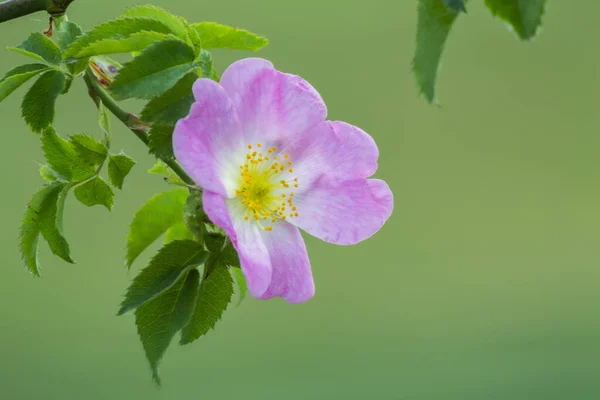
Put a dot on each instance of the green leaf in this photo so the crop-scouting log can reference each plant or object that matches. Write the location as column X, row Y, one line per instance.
column 217, row 36
column 153, row 72
column 41, row 217
column 165, row 268
column 18, row 76
column 48, row 173
column 194, row 38
column 435, row 21
column 119, row 166
column 152, row 220
column 456, row 5
column 161, row 140
column 173, row 104
column 116, row 29
column 135, row 42
column 179, row 231
column 240, row 280
column 89, row 149
column 175, row 24
column 162, row 317
column 62, row 158
column 39, row 47
column 95, row 192
column 220, row 246
column 160, row 168
column 206, row 65
column 194, row 215
column 67, row 33
column 53, row 229
column 215, row 294
column 38, row 104
column 525, row 16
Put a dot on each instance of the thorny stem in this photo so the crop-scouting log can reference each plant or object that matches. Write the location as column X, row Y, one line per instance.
column 97, row 92
column 11, row 9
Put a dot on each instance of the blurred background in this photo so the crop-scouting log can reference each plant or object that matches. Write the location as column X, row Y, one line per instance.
column 484, row 284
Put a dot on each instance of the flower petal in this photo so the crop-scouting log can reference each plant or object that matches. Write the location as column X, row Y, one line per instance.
column 271, row 105
column 347, row 213
column 246, row 238
column 292, row 278
column 208, row 142
column 332, row 152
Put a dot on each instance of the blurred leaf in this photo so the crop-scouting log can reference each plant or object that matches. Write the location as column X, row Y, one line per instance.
column 194, row 215
column 175, row 24
column 116, row 29
column 435, row 21
column 206, row 65
column 153, row 72
column 525, row 16
column 62, row 158
column 240, row 281
column 194, row 38
column 456, row 5
column 161, row 318
column 104, row 122
column 38, row 104
column 95, row 192
column 179, row 231
column 215, row 294
column 39, row 47
column 161, row 140
column 18, row 76
column 41, row 217
column 152, row 220
column 67, row 33
column 165, row 268
column 48, row 173
column 217, row 36
column 173, row 104
column 115, row 45
column 119, row 166
column 89, row 149
column 160, row 168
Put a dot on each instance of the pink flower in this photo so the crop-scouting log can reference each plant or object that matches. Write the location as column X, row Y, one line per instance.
column 269, row 163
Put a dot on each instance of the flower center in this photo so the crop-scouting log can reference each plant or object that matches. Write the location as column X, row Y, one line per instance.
column 267, row 187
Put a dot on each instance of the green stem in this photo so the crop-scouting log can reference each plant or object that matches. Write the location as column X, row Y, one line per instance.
column 11, row 9
column 97, row 92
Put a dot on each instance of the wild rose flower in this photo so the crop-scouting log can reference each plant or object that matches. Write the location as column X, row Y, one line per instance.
column 269, row 163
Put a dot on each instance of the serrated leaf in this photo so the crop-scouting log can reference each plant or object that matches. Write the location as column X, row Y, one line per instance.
column 48, row 173
column 161, row 318
column 116, row 29
column 175, row 24
column 217, row 36
column 179, row 231
column 525, row 16
column 220, row 246
column 240, row 281
column 152, row 220
column 39, row 47
column 67, row 33
column 157, row 69
column 41, row 218
column 89, row 149
column 456, row 5
column 160, row 168
column 163, row 271
column 62, row 158
column 173, row 104
column 214, row 296
column 434, row 23
column 18, row 76
column 133, row 43
column 119, row 166
column 161, row 140
column 194, row 38
column 95, row 192
column 38, row 104
column 53, row 229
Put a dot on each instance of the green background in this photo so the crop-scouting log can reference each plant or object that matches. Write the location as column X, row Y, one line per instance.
column 484, row 283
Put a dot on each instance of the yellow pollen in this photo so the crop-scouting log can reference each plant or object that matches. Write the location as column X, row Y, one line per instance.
column 268, row 228
column 249, row 146
column 259, row 145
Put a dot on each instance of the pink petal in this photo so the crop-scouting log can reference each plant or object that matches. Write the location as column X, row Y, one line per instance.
column 346, row 213
column 208, row 143
column 332, row 152
column 246, row 238
column 271, row 105
column 292, row 278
